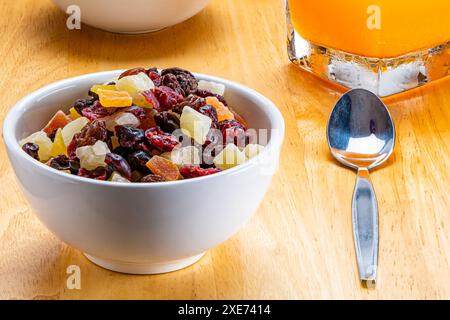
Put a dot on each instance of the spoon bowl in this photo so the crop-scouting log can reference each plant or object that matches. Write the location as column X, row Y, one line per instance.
column 361, row 135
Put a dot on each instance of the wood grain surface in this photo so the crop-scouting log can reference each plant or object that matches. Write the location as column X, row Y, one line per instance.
column 299, row 244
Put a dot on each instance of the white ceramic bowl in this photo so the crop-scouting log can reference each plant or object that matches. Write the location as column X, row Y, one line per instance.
column 141, row 228
column 134, row 16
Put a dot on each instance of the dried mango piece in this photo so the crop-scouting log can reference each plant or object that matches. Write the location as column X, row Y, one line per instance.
column 95, row 88
column 73, row 114
column 163, row 168
column 59, row 120
column 115, row 99
column 58, row 147
column 223, row 113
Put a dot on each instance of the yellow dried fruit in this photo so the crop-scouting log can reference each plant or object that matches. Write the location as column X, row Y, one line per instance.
column 115, row 99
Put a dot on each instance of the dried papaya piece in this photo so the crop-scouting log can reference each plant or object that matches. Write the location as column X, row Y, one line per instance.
column 223, row 113
column 115, row 99
column 163, row 168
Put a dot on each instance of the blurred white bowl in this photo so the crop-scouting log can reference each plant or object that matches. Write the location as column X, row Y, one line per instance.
column 134, row 227
column 134, row 16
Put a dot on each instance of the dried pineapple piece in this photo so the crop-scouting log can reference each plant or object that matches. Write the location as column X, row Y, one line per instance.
column 43, row 141
column 115, row 99
column 58, row 147
column 72, row 128
column 252, row 150
column 92, row 157
column 195, row 124
column 229, row 157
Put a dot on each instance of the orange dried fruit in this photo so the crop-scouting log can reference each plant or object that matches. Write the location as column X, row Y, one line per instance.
column 163, row 168
column 223, row 113
column 59, row 120
column 115, row 99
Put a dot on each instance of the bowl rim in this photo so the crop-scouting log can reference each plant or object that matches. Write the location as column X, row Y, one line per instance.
column 17, row 111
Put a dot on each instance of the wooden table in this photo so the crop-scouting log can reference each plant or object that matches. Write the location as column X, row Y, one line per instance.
column 299, row 243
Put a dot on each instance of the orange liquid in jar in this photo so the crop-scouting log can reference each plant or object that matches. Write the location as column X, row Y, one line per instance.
column 349, row 25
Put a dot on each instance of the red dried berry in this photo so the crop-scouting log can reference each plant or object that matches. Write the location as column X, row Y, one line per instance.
column 96, row 111
column 167, row 98
column 132, row 72
column 99, row 173
column 160, row 140
column 232, row 132
column 138, row 159
column 62, row 162
column 119, row 164
column 149, row 95
column 190, row 171
column 210, row 112
column 154, row 76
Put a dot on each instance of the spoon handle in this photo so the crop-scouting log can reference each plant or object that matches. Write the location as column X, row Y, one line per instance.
column 365, row 227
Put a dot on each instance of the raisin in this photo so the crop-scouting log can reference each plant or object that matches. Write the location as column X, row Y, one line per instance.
column 152, row 178
column 132, row 72
column 167, row 98
column 31, row 149
column 190, row 171
column 129, row 137
column 121, row 151
column 119, row 164
column 81, row 104
column 206, row 93
column 179, row 80
column 99, row 173
column 168, row 121
column 137, row 161
column 62, row 162
column 160, row 140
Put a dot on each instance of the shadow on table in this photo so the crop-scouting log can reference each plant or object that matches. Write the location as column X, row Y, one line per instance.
column 94, row 45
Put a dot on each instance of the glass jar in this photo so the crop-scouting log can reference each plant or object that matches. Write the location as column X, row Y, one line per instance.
column 385, row 46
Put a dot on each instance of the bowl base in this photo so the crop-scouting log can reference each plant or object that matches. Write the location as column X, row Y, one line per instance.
column 144, row 268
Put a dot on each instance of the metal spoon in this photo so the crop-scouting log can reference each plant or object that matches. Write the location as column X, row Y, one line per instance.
column 361, row 135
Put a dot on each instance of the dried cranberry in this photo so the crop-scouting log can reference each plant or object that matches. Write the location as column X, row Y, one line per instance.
column 132, row 72
column 96, row 111
column 154, row 75
column 206, row 93
column 152, row 178
column 167, row 98
column 129, row 136
column 160, row 140
column 232, row 132
column 121, row 151
column 119, row 164
column 62, row 162
column 31, row 149
column 150, row 96
column 179, row 80
column 168, row 121
column 138, row 159
column 90, row 134
column 211, row 112
column 192, row 101
column 190, row 171
column 99, row 173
